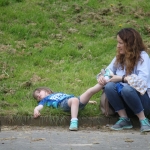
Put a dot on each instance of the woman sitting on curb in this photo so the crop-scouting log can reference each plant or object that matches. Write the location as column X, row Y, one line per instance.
column 131, row 59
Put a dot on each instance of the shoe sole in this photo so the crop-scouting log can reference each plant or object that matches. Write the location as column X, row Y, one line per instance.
column 146, row 130
column 117, row 129
column 74, row 129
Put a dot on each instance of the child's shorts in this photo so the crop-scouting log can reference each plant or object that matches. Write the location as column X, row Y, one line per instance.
column 65, row 107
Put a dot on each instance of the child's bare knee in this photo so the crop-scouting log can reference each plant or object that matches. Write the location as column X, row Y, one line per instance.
column 75, row 100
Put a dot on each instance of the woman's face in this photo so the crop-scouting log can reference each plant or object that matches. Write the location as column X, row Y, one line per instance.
column 120, row 45
column 41, row 94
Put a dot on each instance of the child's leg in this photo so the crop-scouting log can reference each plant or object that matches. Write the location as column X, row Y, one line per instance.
column 74, row 105
column 85, row 97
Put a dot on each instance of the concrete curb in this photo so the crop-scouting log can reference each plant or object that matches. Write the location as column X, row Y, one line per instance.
column 60, row 121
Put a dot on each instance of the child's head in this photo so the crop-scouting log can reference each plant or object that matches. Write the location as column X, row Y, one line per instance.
column 41, row 92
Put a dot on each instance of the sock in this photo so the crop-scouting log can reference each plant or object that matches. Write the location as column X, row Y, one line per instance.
column 142, row 119
column 126, row 118
column 73, row 119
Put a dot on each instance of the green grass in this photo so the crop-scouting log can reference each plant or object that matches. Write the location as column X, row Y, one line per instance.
column 62, row 44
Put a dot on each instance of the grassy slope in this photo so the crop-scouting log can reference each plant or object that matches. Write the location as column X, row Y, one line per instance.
column 61, row 44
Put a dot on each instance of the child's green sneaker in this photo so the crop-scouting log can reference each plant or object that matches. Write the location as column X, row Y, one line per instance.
column 73, row 125
column 108, row 73
column 145, row 125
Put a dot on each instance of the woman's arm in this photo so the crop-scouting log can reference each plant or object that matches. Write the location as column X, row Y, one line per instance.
column 37, row 111
column 143, row 68
column 116, row 78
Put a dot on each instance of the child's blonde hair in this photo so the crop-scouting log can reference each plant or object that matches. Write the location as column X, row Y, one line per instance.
column 48, row 90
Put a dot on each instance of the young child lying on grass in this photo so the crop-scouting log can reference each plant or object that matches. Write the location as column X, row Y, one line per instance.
column 66, row 102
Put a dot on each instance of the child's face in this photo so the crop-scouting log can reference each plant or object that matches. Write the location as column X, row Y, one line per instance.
column 41, row 94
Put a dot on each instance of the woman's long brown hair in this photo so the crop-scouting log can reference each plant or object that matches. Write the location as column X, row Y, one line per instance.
column 133, row 47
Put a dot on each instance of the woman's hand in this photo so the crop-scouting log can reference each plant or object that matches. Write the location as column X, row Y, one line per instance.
column 101, row 80
column 115, row 78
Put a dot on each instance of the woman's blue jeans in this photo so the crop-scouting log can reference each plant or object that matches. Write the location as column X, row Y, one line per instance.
column 130, row 99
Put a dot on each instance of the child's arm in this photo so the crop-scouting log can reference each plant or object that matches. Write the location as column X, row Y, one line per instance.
column 37, row 111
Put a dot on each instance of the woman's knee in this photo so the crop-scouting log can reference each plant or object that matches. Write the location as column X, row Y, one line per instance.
column 109, row 86
column 127, row 89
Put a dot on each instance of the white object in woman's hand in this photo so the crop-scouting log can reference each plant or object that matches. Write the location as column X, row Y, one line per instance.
column 107, row 78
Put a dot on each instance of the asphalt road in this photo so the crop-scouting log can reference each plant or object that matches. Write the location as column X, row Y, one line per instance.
column 60, row 138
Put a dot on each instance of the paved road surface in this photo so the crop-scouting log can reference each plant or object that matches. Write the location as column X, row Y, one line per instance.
column 60, row 138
